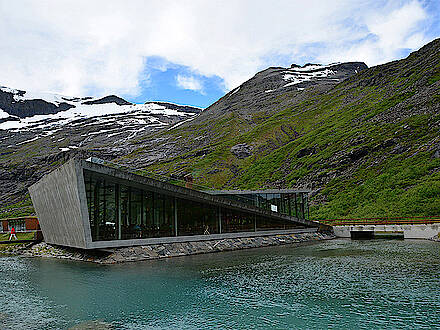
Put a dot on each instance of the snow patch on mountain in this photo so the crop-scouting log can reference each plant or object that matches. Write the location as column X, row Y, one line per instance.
column 296, row 76
column 235, row 90
column 54, row 98
column 102, row 112
column 55, row 121
column 311, row 67
column 3, row 114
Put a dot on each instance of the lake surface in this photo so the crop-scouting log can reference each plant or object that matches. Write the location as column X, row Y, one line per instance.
column 340, row 283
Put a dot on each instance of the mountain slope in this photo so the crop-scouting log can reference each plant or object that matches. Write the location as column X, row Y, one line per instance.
column 364, row 140
column 38, row 131
column 242, row 109
column 366, row 146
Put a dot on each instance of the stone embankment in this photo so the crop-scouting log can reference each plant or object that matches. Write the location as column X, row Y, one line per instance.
column 150, row 252
column 14, row 248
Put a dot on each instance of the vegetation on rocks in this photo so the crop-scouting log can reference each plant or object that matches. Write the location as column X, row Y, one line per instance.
column 366, row 146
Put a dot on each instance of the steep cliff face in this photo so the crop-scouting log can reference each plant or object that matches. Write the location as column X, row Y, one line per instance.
column 366, row 144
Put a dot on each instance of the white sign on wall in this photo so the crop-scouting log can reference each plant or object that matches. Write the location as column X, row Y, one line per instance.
column 274, row 208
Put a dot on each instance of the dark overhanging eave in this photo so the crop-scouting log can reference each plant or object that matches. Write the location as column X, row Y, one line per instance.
column 262, row 191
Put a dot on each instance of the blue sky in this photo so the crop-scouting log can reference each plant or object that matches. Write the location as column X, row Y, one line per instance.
column 192, row 52
column 162, row 83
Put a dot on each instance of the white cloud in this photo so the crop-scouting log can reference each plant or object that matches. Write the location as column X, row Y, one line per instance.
column 189, row 82
column 389, row 31
column 77, row 46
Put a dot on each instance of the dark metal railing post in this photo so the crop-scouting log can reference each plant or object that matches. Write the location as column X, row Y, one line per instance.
column 175, row 215
column 219, row 212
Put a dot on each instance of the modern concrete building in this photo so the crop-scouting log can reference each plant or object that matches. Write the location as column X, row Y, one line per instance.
column 88, row 205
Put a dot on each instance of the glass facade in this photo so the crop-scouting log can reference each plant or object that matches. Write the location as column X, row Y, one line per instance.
column 120, row 210
column 293, row 204
column 270, row 224
column 235, row 221
column 195, row 218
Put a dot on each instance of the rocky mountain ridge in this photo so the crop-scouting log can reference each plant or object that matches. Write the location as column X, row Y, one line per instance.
column 365, row 141
column 26, row 117
column 365, row 145
column 40, row 130
column 245, row 107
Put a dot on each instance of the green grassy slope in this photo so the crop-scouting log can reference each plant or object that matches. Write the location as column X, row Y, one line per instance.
column 368, row 147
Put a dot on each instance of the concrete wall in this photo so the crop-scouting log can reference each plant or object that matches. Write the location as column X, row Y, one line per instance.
column 57, row 202
column 409, row 231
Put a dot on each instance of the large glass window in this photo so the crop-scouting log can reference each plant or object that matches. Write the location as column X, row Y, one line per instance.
column 262, row 201
column 196, row 218
column 120, row 210
column 292, row 205
column 285, row 204
column 306, row 206
column 274, row 201
column 274, row 224
column 131, row 212
column 101, row 206
column 149, row 229
column 107, row 227
column 236, row 221
column 165, row 221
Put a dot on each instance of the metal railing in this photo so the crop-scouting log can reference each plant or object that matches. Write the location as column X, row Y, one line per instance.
column 38, row 236
column 21, row 227
column 418, row 220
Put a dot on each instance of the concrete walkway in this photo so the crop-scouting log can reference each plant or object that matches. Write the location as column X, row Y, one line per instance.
column 420, row 231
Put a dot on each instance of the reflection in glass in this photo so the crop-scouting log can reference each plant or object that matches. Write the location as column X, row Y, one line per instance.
column 235, row 221
column 196, row 218
column 119, row 210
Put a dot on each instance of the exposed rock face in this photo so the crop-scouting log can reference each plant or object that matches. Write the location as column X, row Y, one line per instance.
column 436, row 153
column 436, row 238
column 109, row 99
column 358, row 153
column 26, row 108
column 37, row 134
column 241, row 150
column 182, row 108
column 259, row 92
column 306, row 152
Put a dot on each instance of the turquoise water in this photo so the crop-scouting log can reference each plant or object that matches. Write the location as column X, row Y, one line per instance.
column 375, row 284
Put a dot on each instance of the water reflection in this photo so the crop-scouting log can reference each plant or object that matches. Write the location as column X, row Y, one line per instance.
column 340, row 283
